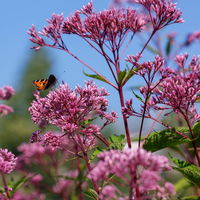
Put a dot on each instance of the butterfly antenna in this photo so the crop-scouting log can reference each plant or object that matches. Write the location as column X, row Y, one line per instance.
column 58, row 78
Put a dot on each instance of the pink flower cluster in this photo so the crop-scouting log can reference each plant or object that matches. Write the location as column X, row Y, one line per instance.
column 46, row 144
column 140, row 169
column 5, row 94
column 149, row 72
column 161, row 12
column 108, row 25
column 180, row 90
column 68, row 109
column 192, row 37
column 7, row 161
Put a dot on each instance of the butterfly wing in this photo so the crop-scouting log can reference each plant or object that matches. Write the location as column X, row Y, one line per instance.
column 51, row 81
column 40, row 84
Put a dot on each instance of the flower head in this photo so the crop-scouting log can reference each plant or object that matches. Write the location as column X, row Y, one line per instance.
column 6, row 92
column 180, row 90
column 161, row 12
column 4, row 110
column 7, row 161
column 129, row 163
column 192, row 37
column 69, row 109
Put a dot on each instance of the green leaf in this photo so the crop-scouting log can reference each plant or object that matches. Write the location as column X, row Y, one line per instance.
column 190, row 171
column 16, row 185
column 95, row 76
column 116, row 142
column 196, row 128
column 137, row 96
column 121, row 76
column 154, row 51
column 165, row 138
column 168, row 46
column 96, row 152
column 196, row 132
column 190, row 198
column 198, row 99
column 86, row 122
column 182, row 185
column 91, row 194
column 126, row 75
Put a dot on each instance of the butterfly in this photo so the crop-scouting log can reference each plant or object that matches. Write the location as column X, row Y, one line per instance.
column 44, row 84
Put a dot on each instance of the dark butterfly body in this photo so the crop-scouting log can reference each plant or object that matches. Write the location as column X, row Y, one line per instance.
column 44, row 84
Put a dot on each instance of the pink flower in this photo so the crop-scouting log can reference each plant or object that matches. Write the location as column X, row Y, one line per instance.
column 109, row 24
column 99, row 27
column 35, row 179
column 7, row 161
column 180, row 90
column 52, row 140
column 35, row 38
column 31, row 152
column 129, row 164
column 192, row 37
column 161, row 12
column 69, row 109
column 34, row 195
column 6, row 92
column 62, row 186
column 4, row 110
column 108, row 192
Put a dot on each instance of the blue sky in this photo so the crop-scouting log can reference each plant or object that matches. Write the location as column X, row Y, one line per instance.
column 17, row 17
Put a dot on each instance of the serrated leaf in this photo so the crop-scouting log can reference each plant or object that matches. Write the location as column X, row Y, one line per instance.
column 190, row 171
column 116, row 142
column 95, row 76
column 92, row 194
column 162, row 139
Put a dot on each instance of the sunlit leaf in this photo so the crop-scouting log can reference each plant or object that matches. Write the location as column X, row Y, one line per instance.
column 165, row 138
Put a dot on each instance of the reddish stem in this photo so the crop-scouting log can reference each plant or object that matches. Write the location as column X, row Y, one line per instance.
column 128, row 138
column 85, row 156
column 149, row 132
column 5, row 185
column 193, row 141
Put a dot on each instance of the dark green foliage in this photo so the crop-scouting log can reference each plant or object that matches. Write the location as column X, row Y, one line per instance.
column 190, row 171
column 165, row 138
column 116, row 142
column 91, row 194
